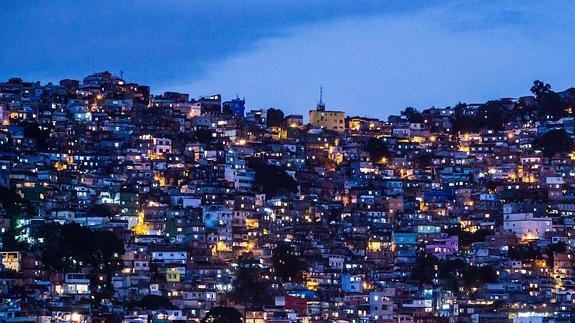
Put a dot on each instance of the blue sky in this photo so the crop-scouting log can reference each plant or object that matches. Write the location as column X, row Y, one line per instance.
column 372, row 57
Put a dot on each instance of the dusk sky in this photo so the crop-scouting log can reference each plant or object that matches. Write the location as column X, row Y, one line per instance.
column 372, row 57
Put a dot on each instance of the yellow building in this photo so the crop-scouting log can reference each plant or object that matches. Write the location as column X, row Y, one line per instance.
column 172, row 276
column 11, row 260
column 330, row 120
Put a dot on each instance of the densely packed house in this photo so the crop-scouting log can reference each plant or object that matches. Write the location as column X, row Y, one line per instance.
column 120, row 205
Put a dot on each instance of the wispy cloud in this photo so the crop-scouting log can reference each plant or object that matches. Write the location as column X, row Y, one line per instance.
column 154, row 41
column 380, row 64
column 373, row 57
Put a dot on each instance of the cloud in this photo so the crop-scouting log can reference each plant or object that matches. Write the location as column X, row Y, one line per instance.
column 153, row 41
column 372, row 57
column 379, row 65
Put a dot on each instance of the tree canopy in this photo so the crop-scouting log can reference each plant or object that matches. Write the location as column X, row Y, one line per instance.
column 286, row 265
column 466, row 238
column 539, row 89
column 102, row 210
column 553, row 142
column 494, row 115
column 425, row 268
column 549, row 102
column 412, row 115
column 14, row 204
column 491, row 116
column 155, row 302
column 377, row 149
column 275, row 118
column 457, row 271
column 273, row 179
column 223, row 314
column 249, row 288
column 204, row 135
column 71, row 247
column 32, row 130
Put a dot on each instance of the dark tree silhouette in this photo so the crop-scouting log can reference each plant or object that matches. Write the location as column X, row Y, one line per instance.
column 459, row 109
column 453, row 271
column 273, row 179
column 155, row 302
column 475, row 276
column 539, row 89
column 14, row 204
column 222, row 314
column 249, row 288
column 71, row 247
column 549, row 103
column 423, row 160
column 412, row 115
column 467, row 238
column 528, row 252
column 491, row 115
column 553, row 142
column 464, row 123
column 275, row 118
column 286, row 265
column 102, row 210
column 204, row 135
column 425, row 268
column 552, row 106
column 33, row 130
column 11, row 243
column 377, row 149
